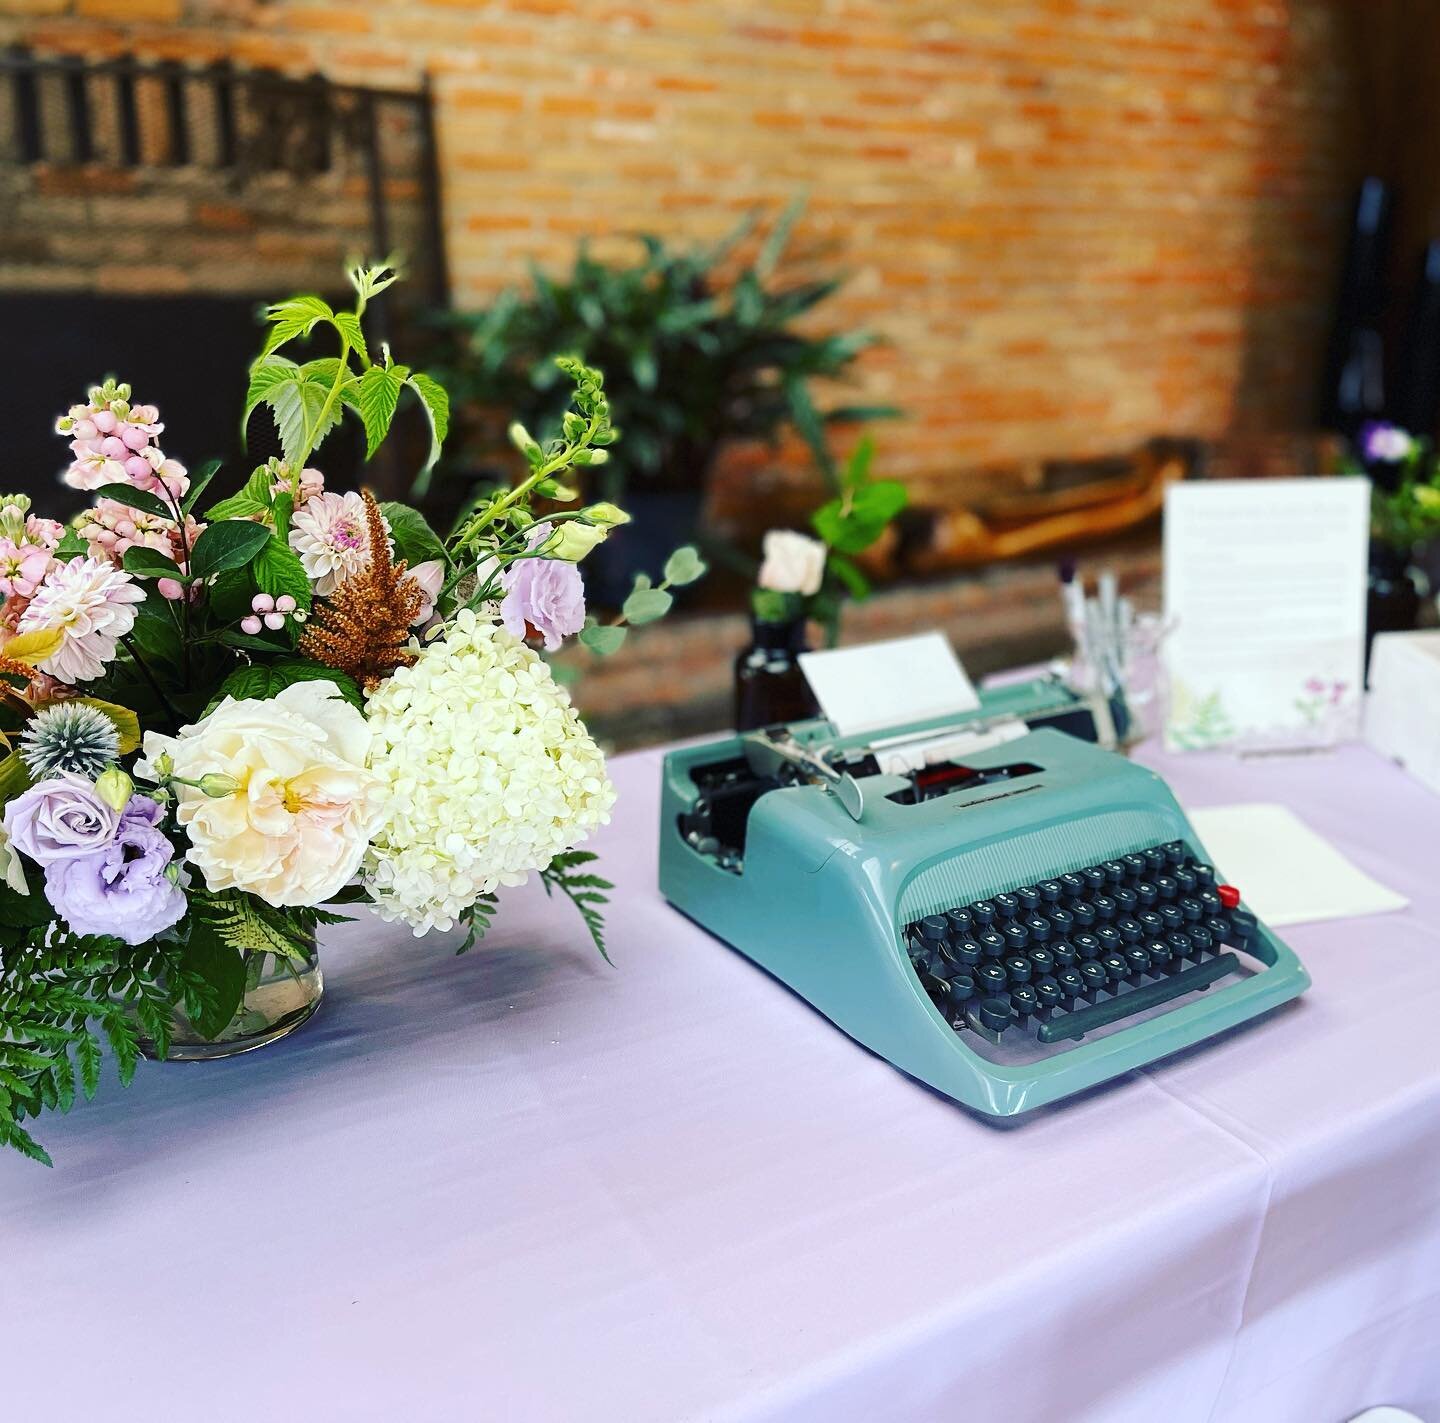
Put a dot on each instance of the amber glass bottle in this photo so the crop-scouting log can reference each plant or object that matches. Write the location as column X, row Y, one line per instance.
column 769, row 685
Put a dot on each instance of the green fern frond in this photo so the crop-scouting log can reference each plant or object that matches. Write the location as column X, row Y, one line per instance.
column 587, row 892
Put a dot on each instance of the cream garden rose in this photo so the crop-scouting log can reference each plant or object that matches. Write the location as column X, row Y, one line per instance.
column 793, row 563
column 295, row 827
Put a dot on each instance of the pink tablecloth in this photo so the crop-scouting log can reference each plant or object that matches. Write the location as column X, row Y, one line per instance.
column 523, row 1186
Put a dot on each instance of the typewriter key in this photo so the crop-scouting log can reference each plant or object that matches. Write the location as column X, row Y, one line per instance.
column 1016, row 935
column 990, row 977
column 992, row 942
column 1017, row 968
column 1029, row 897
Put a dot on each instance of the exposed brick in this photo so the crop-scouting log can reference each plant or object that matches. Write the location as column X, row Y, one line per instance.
column 1079, row 223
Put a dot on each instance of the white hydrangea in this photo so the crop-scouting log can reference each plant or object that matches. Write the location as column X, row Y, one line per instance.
column 488, row 772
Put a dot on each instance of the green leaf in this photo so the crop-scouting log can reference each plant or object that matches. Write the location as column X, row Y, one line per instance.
column 645, row 605
column 231, row 543
column 436, row 400
column 852, row 524
column 348, row 325
column 222, row 969
column 71, row 545
column 155, row 633
column 376, row 400
column 230, row 595
column 266, row 373
column 415, row 541
column 199, row 481
column 253, row 498
column 857, row 468
column 602, row 639
column 772, row 606
column 150, row 563
column 261, row 681
column 684, row 566
column 278, row 570
column 775, row 243
column 811, row 427
column 302, row 408
column 277, row 643
column 25, row 910
column 296, row 317
column 14, row 778
column 856, row 583
column 140, row 499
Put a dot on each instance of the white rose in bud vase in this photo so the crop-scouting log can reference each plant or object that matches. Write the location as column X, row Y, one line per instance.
column 793, row 563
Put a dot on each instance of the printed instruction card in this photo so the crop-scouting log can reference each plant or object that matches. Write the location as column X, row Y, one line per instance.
column 1265, row 604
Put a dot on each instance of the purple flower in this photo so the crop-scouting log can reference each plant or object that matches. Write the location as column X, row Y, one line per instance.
column 547, row 593
column 1384, row 444
column 59, row 819
column 121, row 889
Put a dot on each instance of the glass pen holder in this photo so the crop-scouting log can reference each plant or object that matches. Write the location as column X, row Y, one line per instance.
column 1129, row 692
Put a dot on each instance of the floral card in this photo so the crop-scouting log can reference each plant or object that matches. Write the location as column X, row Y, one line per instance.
column 1265, row 599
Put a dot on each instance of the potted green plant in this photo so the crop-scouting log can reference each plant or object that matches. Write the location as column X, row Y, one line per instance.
column 701, row 346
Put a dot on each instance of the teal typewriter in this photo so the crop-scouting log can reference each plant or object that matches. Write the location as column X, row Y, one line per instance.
column 995, row 904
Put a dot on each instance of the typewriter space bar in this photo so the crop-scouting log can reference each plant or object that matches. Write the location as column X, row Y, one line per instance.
column 1076, row 1025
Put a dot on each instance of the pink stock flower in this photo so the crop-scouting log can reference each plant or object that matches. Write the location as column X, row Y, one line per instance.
column 113, row 442
column 22, row 567
column 111, row 528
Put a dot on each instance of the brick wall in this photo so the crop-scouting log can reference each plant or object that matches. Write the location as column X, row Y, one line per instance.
column 1080, row 222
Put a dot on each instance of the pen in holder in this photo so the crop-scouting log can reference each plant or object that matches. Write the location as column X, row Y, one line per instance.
column 1116, row 658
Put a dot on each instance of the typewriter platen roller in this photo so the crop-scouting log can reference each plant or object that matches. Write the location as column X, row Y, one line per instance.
column 1009, row 914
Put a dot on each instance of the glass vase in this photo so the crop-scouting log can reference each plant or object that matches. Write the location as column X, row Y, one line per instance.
column 280, row 994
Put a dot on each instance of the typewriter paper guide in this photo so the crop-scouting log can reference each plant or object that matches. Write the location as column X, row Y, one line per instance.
column 887, row 684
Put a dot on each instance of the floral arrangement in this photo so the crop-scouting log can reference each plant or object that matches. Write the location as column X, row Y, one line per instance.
column 1405, row 502
column 219, row 722
column 801, row 576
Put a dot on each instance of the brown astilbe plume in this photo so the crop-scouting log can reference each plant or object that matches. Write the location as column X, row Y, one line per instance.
column 363, row 628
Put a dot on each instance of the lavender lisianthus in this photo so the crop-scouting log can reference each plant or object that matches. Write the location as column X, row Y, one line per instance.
column 60, row 818
column 120, row 889
column 546, row 593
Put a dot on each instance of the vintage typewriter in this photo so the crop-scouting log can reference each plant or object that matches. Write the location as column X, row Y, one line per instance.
column 999, row 907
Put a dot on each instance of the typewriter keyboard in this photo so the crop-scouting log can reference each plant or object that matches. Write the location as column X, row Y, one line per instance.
column 1053, row 961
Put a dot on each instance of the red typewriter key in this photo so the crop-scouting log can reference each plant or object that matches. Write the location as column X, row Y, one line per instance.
column 1229, row 895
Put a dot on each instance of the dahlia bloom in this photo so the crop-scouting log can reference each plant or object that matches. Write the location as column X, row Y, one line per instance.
column 328, row 533
column 487, row 775
column 295, row 827
column 93, row 605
